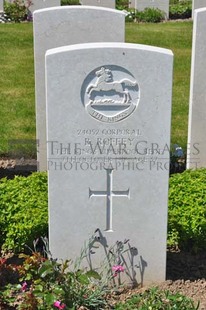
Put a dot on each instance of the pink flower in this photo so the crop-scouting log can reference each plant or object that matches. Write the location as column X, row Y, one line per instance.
column 2, row 260
column 118, row 268
column 58, row 305
column 24, row 287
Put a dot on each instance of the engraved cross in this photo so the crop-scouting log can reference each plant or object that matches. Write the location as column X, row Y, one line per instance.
column 109, row 193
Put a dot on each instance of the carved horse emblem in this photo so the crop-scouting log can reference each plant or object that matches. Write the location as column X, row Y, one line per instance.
column 108, row 98
column 106, row 83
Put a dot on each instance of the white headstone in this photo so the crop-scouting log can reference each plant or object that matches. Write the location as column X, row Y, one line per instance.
column 197, row 4
column 108, row 122
column 63, row 26
column 140, row 5
column 39, row 4
column 43, row 4
column 196, row 153
column 1, row 5
column 104, row 3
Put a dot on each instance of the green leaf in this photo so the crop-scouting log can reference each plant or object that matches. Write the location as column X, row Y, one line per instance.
column 46, row 269
column 58, row 290
column 50, row 298
column 93, row 274
column 39, row 288
column 83, row 279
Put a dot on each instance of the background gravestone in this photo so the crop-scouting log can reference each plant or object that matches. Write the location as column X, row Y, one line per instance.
column 63, row 26
column 197, row 4
column 104, row 3
column 108, row 123
column 140, row 5
column 1, row 5
column 40, row 4
column 43, row 4
column 196, row 152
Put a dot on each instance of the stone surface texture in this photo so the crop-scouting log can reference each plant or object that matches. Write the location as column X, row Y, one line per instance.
column 196, row 152
column 43, row 4
column 198, row 4
column 109, row 160
column 63, row 26
column 104, row 3
column 1, row 5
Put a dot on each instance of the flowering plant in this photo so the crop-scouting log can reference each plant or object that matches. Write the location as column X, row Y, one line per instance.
column 117, row 269
column 18, row 10
column 45, row 284
column 59, row 305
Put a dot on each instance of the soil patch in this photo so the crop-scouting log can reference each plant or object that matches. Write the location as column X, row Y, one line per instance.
column 186, row 273
column 22, row 167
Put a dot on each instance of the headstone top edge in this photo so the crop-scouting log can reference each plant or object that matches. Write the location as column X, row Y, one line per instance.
column 201, row 10
column 78, row 8
column 114, row 45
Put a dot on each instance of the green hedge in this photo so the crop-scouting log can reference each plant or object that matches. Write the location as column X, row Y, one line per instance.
column 24, row 211
column 148, row 15
column 70, row 2
column 181, row 10
column 187, row 210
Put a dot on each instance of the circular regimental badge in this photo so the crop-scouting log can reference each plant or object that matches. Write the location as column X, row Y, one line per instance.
column 110, row 93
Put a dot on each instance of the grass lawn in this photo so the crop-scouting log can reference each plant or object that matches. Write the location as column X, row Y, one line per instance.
column 17, row 103
column 176, row 36
column 16, row 84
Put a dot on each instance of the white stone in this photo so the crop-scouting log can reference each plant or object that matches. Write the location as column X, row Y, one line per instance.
column 1, row 5
column 108, row 123
column 196, row 153
column 63, row 26
column 197, row 4
column 140, row 5
column 103, row 3
column 40, row 4
column 43, row 4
